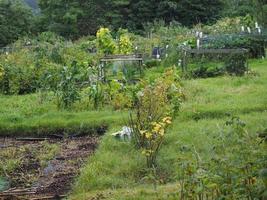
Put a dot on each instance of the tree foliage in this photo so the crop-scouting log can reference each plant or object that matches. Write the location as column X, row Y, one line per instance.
column 75, row 18
column 61, row 16
column 83, row 17
column 15, row 21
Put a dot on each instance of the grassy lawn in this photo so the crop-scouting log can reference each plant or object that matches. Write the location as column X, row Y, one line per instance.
column 26, row 116
column 116, row 170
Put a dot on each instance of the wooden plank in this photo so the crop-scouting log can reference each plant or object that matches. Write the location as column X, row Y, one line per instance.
column 120, row 59
column 114, row 58
column 217, row 51
column 124, row 56
column 32, row 139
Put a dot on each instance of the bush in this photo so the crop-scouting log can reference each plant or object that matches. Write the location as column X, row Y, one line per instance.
column 19, row 75
column 155, row 104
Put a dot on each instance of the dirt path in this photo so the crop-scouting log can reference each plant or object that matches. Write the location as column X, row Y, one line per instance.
column 33, row 179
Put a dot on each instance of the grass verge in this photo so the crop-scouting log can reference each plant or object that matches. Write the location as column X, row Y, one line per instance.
column 25, row 116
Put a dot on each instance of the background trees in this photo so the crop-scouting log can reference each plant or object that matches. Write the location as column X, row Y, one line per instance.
column 61, row 16
column 75, row 18
column 15, row 20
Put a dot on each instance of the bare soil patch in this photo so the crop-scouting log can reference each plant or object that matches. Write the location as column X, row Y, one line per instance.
column 35, row 179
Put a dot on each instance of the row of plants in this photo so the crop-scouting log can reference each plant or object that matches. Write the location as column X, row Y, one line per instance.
column 42, row 59
column 255, row 45
column 25, row 69
column 217, row 65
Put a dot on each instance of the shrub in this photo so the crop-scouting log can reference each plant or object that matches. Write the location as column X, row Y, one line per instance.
column 20, row 75
column 155, row 103
column 153, row 139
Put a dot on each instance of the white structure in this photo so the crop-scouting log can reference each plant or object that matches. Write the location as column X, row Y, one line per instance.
column 125, row 133
column 198, row 43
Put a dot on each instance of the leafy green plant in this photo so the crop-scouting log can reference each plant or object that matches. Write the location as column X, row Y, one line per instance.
column 47, row 153
column 96, row 94
column 204, row 71
column 119, row 95
column 68, row 88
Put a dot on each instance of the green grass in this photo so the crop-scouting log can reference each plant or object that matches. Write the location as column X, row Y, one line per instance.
column 143, row 192
column 116, row 170
column 26, row 116
column 117, row 167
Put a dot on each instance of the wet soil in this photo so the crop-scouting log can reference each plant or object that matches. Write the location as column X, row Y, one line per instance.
column 31, row 180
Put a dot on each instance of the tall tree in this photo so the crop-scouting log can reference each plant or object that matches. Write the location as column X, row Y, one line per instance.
column 260, row 11
column 61, row 16
column 15, row 21
column 72, row 18
column 199, row 11
column 234, row 8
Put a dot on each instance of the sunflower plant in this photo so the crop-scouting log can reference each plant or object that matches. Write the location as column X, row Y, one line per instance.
column 125, row 45
column 104, row 42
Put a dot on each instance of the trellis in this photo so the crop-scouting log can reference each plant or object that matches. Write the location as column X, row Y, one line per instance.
column 122, row 58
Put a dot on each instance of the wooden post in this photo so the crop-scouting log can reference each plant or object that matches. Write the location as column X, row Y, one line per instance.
column 184, row 67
